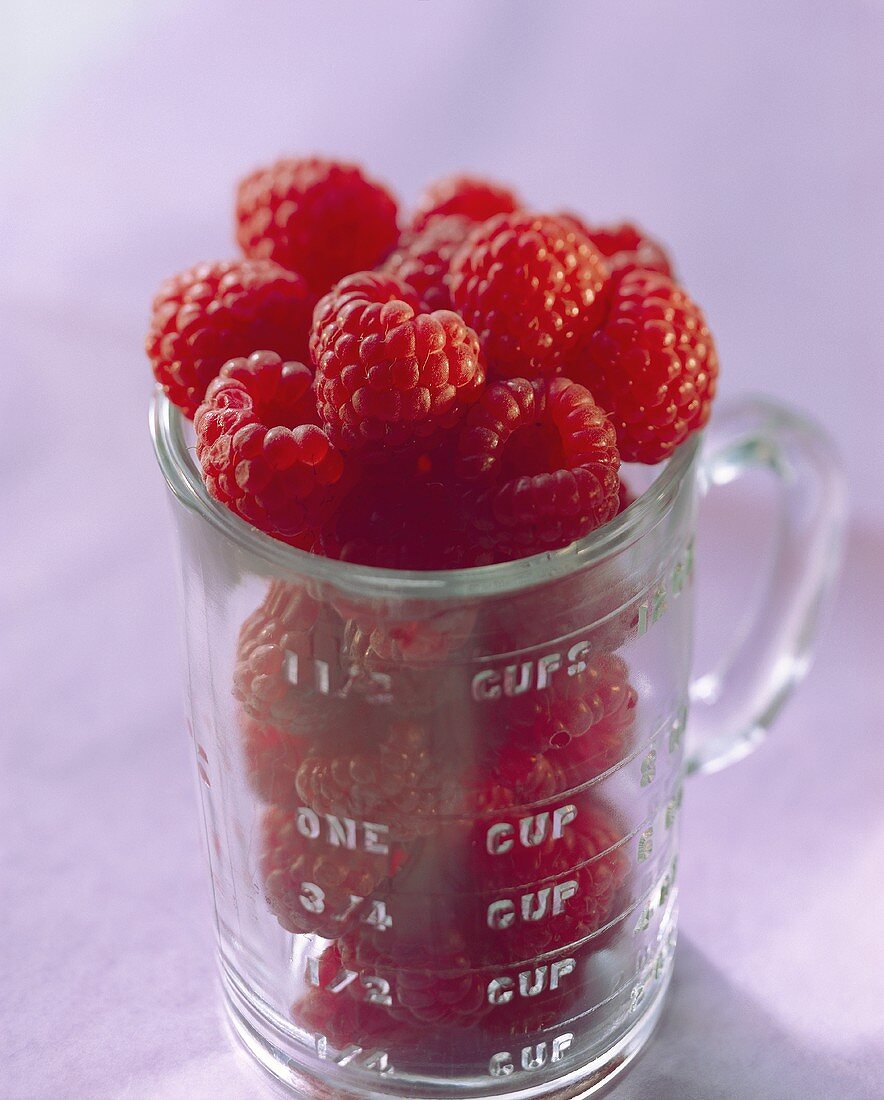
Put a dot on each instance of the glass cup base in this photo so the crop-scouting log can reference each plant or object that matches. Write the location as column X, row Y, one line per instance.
column 308, row 1076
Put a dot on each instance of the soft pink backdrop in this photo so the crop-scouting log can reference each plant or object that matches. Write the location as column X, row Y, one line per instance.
column 744, row 134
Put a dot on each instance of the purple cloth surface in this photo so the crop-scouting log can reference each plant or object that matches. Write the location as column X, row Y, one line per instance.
column 745, row 138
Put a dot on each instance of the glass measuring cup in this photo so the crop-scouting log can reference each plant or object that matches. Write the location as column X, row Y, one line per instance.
column 442, row 809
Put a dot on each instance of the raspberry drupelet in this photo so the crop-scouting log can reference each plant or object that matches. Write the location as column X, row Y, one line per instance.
column 388, row 374
column 512, row 776
column 471, row 197
column 322, row 218
column 215, row 311
column 261, row 452
column 652, row 365
column 531, row 285
column 544, row 458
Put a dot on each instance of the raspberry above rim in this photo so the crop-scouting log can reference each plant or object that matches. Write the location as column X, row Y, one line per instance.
column 548, row 456
column 533, row 288
column 322, row 218
column 389, row 373
column 206, row 315
column 177, row 461
column 262, row 453
column 468, row 196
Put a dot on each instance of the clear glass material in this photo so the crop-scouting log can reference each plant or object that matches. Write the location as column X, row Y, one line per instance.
column 442, row 809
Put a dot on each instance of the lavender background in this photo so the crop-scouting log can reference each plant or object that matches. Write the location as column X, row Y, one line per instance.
column 745, row 135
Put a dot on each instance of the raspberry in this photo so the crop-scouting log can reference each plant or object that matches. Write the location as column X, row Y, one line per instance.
column 204, row 316
column 389, row 775
column 315, row 887
column 473, row 198
column 376, row 674
column 388, row 374
column 322, row 218
column 430, row 976
column 588, row 854
column 585, row 615
column 423, row 259
column 531, row 286
column 567, row 710
column 426, row 640
column 259, row 452
column 349, row 1014
column 548, row 455
column 272, row 758
column 624, row 246
column 275, row 676
column 345, row 1022
column 652, row 366
column 513, row 777
column 420, row 637
column 605, row 743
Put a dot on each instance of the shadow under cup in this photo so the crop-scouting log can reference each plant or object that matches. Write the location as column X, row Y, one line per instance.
column 442, row 809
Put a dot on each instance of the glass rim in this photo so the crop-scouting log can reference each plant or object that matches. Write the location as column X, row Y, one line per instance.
column 177, row 462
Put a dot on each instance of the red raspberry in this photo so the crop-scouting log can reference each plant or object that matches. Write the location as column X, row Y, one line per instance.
column 511, row 777
column 568, row 710
column 587, row 614
column 439, row 978
column 204, row 316
column 276, row 677
column 272, row 757
column 312, row 886
column 417, row 636
column 588, row 855
column 322, row 218
column 652, row 365
column 427, row 640
column 260, row 454
column 348, row 1013
column 624, row 246
column 548, row 455
column 605, row 743
column 423, row 259
column 473, row 198
column 412, row 644
column 377, row 674
column 346, row 1022
column 531, row 286
column 430, row 975
column 390, row 776
column 388, row 374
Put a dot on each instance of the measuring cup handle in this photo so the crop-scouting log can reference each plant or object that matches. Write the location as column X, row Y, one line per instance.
column 733, row 705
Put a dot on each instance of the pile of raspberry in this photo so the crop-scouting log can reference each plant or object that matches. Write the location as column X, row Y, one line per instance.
column 450, row 389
